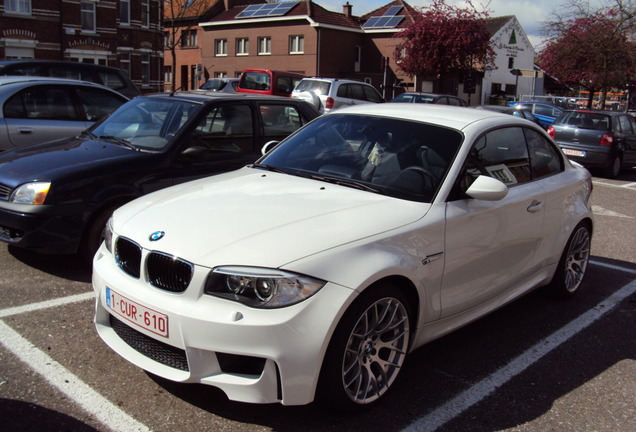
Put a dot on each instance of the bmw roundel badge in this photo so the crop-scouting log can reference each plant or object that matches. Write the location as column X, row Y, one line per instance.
column 157, row 235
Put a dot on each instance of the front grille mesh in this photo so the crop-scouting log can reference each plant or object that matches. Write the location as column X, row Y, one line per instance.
column 128, row 255
column 151, row 348
column 5, row 192
column 167, row 272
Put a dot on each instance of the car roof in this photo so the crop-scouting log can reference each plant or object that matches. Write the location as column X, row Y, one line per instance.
column 427, row 94
column 444, row 115
column 344, row 80
column 535, row 103
column 202, row 96
column 23, row 79
column 499, row 108
column 589, row 111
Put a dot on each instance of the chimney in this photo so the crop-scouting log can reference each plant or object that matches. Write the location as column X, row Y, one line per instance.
column 346, row 9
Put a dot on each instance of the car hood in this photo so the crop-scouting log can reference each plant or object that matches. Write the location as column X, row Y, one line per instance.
column 257, row 218
column 47, row 161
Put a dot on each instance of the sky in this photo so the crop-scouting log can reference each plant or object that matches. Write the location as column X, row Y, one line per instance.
column 530, row 13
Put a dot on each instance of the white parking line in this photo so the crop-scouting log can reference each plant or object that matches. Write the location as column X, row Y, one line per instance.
column 117, row 420
column 74, row 388
column 620, row 185
column 478, row 392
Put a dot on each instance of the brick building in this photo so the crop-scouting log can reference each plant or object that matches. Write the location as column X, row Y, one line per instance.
column 121, row 33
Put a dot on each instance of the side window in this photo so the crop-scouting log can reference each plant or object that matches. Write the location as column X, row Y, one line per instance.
column 97, row 103
column 225, row 129
column 112, row 80
column 356, row 92
column 280, row 119
column 454, row 101
column 284, row 85
column 543, row 110
column 625, row 125
column 45, row 103
column 545, row 160
column 343, row 91
column 442, row 101
column 371, row 95
column 501, row 154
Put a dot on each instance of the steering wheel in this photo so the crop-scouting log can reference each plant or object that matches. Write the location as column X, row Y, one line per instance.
column 432, row 180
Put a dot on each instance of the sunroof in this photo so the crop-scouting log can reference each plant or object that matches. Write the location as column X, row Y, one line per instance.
column 267, row 10
column 388, row 20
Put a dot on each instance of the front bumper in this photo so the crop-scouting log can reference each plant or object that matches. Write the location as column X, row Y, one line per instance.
column 48, row 229
column 253, row 355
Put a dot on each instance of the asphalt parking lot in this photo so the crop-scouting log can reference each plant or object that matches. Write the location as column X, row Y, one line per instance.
column 535, row 365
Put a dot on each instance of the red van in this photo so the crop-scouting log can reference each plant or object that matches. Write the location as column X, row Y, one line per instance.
column 268, row 82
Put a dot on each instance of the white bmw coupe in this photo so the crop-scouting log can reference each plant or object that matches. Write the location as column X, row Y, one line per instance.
column 312, row 273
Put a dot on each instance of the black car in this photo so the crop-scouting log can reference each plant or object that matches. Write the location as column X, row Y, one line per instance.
column 56, row 197
column 597, row 139
column 107, row 76
column 518, row 112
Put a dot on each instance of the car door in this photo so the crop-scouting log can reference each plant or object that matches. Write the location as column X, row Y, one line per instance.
column 626, row 138
column 42, row 113
column 344, row 95
column 223, row 139
column 491, row 245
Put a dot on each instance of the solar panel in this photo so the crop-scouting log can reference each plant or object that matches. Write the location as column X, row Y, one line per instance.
column 379, row 22
column 393, row 10
column 267, row 9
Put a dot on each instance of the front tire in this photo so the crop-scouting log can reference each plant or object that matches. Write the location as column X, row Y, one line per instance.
column 367, row 350
column 573, row 263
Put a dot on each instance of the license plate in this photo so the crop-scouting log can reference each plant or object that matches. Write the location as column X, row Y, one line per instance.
column 578, row 153
column 138, row 314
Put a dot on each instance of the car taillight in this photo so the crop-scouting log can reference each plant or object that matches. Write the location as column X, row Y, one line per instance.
column 552, row 132
column 329, row 103
column 607, row 140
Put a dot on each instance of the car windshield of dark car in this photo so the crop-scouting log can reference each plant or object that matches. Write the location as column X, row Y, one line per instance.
column 399, row 158
column 146, row 123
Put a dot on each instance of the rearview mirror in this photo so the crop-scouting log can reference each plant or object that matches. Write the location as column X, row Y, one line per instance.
column 268, row 146
column 487, row 189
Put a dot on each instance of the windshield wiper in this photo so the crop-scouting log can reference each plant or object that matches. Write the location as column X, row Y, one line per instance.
column 347, row 183
column 269, row 168
column 118, row 140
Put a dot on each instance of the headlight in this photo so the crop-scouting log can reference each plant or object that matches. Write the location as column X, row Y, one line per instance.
column 108, row 234
column 31, row 193
column 262, row 288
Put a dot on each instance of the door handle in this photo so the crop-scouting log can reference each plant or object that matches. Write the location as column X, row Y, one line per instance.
column 25, row 130
column 535, row 206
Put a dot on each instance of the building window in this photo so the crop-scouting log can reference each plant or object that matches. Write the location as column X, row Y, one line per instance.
column 124, row 12
column 145, row 13
column 220, row 47
column 220, row 74
column 145, row 69
column 242, row 46
column 18, row 6
column 264, row 45
column 495, row 88
column 167, row 74
column 166, row 39
column 511, row 62
column 189, row 39
column 88, row 16
column 296, row 44
column 124, row 63
column 511, row 89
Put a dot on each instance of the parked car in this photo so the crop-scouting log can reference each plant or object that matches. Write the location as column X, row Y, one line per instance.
column 268, row 82
column 545, row 112
column 56, row 197
column 316, row 270
column 327, row 94
column 431, row 98
column 36, row 109
column 517, row 112
column 225, row 85
column 597, row 139
column 111, row 77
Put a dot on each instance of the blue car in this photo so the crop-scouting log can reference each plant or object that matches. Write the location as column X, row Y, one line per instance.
column 545, row 112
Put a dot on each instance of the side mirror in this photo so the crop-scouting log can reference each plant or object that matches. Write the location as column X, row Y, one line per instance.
column 487, row 189
column 268, row 146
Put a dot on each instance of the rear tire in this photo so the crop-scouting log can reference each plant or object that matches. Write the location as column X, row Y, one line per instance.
column 573, row 263
column 367, row 350
column 614, row 169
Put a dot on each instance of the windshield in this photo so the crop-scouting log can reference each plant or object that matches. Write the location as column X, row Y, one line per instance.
column 399, row 158
column 146, row 123
column 214, row 85
column 318, row 87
